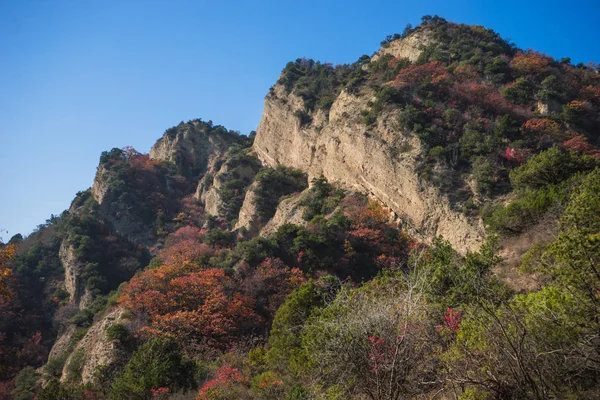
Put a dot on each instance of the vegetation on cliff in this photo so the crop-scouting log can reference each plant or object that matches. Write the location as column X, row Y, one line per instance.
column 346, row 304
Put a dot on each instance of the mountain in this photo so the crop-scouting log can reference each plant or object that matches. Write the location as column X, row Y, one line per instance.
column 422, row 223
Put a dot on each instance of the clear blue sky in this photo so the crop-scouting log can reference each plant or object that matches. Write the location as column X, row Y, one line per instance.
column 80, row 77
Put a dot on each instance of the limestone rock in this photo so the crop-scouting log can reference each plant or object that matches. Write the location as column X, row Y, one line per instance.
column 248, row 217
column 97, row 348
column 289, row 211
column 379, row 161
column 192, row 145
column 409, row 47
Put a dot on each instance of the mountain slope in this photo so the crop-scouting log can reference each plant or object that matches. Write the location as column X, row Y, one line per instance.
column 348, row 249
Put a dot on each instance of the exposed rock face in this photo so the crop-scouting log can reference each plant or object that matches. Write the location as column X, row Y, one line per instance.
column 101, row 185
column 289, row 211
column 191, row 146
column 62, row 343
column 98, row 349
column 379, row 161
column 548, row 107
column 73, row 282
column 248, row 217
column 409, row 47
column 209, row 185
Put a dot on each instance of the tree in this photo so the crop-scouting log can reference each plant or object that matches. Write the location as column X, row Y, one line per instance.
column 198, row 308
column 374, row 341
column 284, row 338
column 155, row 364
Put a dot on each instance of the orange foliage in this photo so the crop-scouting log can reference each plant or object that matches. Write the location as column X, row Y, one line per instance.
column 138, row 160
column 374, row 215
column 184, row 246
column 590, row 93
column 7, row 253
column 544, row 130
column 195, row 307
column 530, row 62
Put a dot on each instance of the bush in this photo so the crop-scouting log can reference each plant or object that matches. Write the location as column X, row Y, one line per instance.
column 156, row 364
column 550, row 167
column 273, row 183
column 75, row 365
column 117, row 332
column 25, row 384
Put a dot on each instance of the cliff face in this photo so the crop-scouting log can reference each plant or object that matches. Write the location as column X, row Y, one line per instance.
column 379, row 161
column 99, row 349
column 192, row 145
column 78, row 293
column 410, row 47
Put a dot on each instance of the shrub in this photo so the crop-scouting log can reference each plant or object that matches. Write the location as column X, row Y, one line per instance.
column 155, row 364
column 549, row 168
column 117, row 332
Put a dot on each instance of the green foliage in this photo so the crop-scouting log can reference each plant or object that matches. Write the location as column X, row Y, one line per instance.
column 268, row 386
column 520, row 91
column 298, row 392
column 54, row 390
column 573, row 259
column 75, row 365
column 273, row 183
column 550, row 167
column 54, row 366
column 455, row 280
column 117, row 332
column 285, row 339
column 25, row 384
column 241, row 167
column 542, row 185
column 320, row 199
column 155, row 364
column 483, row 173
column 83, row 318
column 374, row 340
column 471, row 45
column 317, row 84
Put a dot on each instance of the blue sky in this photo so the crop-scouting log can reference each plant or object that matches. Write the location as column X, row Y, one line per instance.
column 80, row 77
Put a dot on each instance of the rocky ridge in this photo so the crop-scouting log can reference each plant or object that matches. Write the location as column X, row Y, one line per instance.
column 381, row 162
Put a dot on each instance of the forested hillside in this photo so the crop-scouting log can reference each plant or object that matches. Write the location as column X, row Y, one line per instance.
column 422, row 223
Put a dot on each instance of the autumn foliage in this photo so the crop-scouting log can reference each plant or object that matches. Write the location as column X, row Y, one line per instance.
column 7, row 253
column 198, row 308
column 530, row 62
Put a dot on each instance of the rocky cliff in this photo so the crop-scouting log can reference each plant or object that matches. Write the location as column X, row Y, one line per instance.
column 380, row 161
column 190, row 146
column 98, row 347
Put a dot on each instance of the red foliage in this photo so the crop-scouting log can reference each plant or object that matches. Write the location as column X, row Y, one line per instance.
column 452, row 319
column 138, row 160
column 269, row 284
column 195, row 307
column 160, row 393
column 433, row 72
column 184, row 246
column 192, row 213
column 515, row 155
column 579, row 144
column 225, row 377
column 485, row 96
column 590, row 93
